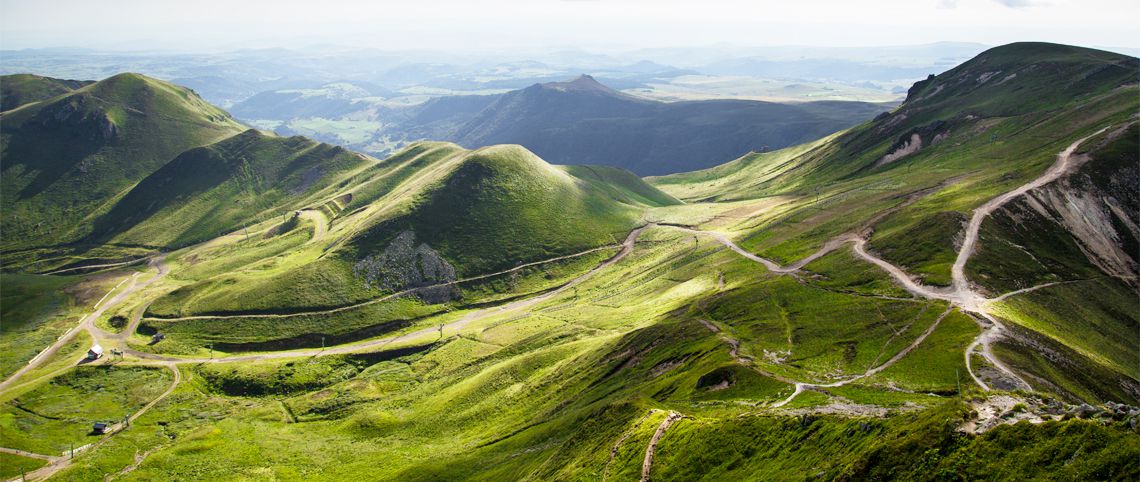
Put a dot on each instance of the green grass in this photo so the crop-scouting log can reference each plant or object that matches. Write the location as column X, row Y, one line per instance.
column 13, row 466
column 59, row 413
column 19, row 89
column 937, row 365
column 817, row 331
column 71, row 158
column 841, row 270
column 462, row 218
column 36, row 310
column 205, row 192
column 1097, row 318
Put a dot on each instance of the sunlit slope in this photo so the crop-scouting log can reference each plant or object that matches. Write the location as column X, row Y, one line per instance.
column 910, row 180
column 979, row 129
column 68, row 159
column 445, row 215
column 503, row 205
column 215, row 189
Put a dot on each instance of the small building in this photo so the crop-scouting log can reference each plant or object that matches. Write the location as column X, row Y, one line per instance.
column 99, row 428
column 95, row 353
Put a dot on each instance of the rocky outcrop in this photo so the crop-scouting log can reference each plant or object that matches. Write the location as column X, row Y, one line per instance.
column 1096, row 204
column 914, row 141
column 78, row 118
column 402, row 265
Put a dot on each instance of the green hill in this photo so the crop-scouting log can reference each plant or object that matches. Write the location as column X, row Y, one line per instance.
column 207, row 191
column 67, row 160
column 431, row 214
column 20, row 89
column 976, row 130
column 502, row 204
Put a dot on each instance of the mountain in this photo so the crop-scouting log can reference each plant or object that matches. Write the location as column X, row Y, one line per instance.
column 328, row 101
column 68, row 158
column 946, row 291
column 912, row 177
column 207, row 191
column 585, row 122
column 19, row 89
column 580, row 121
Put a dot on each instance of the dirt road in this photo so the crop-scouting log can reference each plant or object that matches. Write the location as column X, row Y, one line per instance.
column 59, row 463
column 960, row 294
column 626, row 248
column 386, row 297
column 651, row 449
column 88, row 322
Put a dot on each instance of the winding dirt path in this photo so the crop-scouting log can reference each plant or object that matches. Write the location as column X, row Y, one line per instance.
column 626, row 248
column 95, row 266
column 31, row 455
column 617, row 445
column 960, row 294
column 320, row 223
column 382, row 298
column 88, row 322
column 1059, row 168
column 651, row 449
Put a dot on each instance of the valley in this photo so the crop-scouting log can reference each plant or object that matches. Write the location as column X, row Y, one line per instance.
column 906, row 298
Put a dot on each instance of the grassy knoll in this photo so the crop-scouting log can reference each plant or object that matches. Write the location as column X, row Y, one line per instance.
column 463, row 218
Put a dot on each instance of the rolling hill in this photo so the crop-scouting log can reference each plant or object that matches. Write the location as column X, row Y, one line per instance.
column 67, row 159
column 208, row 191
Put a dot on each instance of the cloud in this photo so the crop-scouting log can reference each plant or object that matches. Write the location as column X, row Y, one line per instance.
column 1020, row 3
column 948, row 4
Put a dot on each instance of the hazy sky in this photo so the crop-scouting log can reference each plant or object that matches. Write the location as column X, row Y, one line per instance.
column 597, row 25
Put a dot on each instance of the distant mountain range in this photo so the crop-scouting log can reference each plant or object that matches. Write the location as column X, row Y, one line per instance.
column 580, row 121
column 585, row 122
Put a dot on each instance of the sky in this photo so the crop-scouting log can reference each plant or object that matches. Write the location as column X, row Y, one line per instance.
column 594, row 25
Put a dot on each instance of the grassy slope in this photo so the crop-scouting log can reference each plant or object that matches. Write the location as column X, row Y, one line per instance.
column 551, row 212
column 214, row 189
column 548, row 395
column 67, row 160
column 20, row 89
column 994, row 135
column 455, row 202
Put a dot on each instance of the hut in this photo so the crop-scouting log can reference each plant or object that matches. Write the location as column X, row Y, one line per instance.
column 95, row 353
